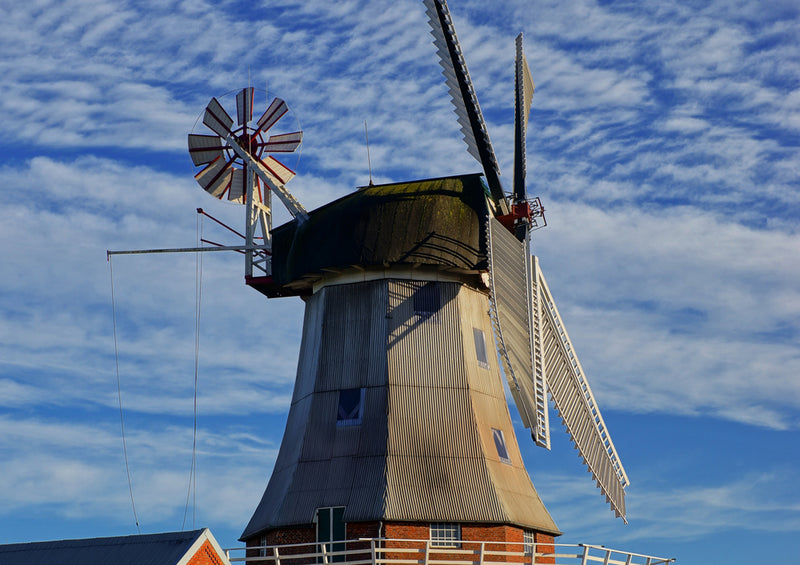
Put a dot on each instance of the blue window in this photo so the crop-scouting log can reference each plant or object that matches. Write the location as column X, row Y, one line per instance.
column 500, row 444
column 428, row 302
column 351, row 407
column 480, row 348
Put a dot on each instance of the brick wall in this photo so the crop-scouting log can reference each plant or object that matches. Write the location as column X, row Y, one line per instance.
column 206, row 556
column 544, row 544
column 357, row 530
column 286, row 536
column 503, row 538
column 508, row 539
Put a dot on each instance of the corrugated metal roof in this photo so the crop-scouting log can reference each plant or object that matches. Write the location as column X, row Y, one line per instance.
column 319, row 461
column 421, row 350
column 353, row 337
column 473, row 308
column 148, row 549
column 308, row 359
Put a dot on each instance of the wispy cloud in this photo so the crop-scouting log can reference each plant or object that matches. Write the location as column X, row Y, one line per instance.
column 663, row 141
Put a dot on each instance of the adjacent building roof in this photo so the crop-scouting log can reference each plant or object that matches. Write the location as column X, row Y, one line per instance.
column 174, row 548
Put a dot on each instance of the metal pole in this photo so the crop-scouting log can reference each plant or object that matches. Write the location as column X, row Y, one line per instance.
column 181, row 250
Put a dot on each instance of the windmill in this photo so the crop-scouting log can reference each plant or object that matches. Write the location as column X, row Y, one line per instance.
column 399, row 425
column 238, row 159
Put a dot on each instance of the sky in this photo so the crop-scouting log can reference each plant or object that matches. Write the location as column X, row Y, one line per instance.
column 663, row 142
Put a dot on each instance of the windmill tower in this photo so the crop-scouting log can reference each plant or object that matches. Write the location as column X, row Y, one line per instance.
column 399, row 426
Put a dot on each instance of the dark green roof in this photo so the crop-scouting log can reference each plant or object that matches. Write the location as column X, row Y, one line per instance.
column 148, row 549
column 436, row 222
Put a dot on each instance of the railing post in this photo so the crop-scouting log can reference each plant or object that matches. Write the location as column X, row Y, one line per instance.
column 276, row 555
column 324, row 553
column 608, row 556
column 483, row 544
column 534, row 551
column 585, row 559
column 427, row 550
column 372, row 551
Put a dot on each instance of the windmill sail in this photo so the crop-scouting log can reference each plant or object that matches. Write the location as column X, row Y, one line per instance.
column 531, row 341
column 574, row 400
column 462, row 94
column 523, row 98
column 517, row 328
column 538, row 357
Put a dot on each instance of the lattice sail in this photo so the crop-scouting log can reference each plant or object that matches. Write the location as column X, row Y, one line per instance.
column 538, row 357
column 574, row 400
column 523, row 97
column 462, row 93
column 516, row 321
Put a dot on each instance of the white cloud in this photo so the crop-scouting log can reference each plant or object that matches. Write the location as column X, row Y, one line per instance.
column 662, row 140
column 685, row 308
column 76, row 470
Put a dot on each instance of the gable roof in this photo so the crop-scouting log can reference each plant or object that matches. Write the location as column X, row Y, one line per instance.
column 173, row 548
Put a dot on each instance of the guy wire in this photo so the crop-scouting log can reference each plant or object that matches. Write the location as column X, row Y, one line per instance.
column 119, row 395
column 192, row 489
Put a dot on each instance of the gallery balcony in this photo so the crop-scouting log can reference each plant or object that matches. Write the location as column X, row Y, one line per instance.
column 382, row 551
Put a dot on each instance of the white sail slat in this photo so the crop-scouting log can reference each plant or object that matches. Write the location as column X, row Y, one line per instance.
column 511, row 315
column 237, row 190
column 274, row 112
column 284, row 143
column 462, row 93
column 215, row 177
column 204, row 148
column 217, row 119
column 575, row 402
column 244, row 105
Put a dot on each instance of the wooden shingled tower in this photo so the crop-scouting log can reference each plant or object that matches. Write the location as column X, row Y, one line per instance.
column 399, row 426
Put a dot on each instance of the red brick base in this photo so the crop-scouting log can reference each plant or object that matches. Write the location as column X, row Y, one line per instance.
column 504, row 538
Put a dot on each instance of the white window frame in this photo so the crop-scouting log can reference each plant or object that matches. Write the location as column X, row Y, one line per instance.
column 529, row 538
column 445, row 534
column 262, row 551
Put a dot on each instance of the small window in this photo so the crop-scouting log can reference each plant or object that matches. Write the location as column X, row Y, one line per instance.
column 428, row 302
column 480, row 348
column 445, row 535
column 500, row 444
column 351, row 407
column 530, row 541
column 262, row 551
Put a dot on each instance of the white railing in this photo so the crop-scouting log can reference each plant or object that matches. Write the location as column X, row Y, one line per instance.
column 381, row 551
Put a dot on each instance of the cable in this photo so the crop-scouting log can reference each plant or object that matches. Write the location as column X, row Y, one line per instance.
column 192, row 488
column 119, row 394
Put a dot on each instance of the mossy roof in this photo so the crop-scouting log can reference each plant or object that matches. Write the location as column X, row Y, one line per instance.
column 436, row 222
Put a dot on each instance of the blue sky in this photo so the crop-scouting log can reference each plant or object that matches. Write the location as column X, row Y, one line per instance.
column 663, row 142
